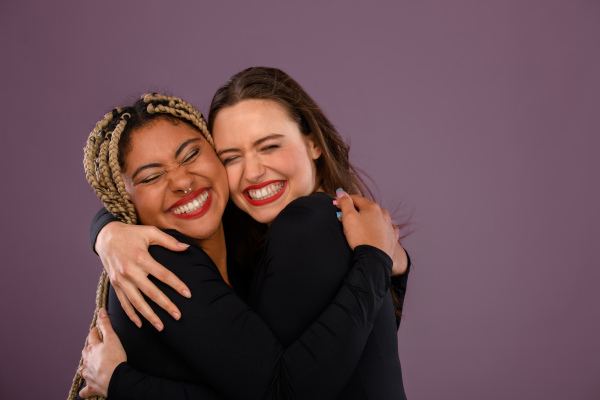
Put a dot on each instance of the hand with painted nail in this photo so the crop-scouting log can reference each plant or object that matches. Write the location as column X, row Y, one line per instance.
column 398, row 256
column 366, row 223
column 100, row 357
column 123, row 250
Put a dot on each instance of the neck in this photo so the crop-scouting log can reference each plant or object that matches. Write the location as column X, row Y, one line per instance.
column 215, row 247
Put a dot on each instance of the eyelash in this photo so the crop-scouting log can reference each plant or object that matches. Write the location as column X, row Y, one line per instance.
column 228, row 160
column 187, row 160
column 151, row 179
column 266, row 148
column 191, row 156
column 270, row 147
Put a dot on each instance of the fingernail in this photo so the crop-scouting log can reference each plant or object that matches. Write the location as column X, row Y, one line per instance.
column 339, row 215
column 184, row 245
column 102, row 313
column 335, row 203
column 186, row 293
column 158, row 326
column 340, row 193
column 176, row 315
column 138, row 324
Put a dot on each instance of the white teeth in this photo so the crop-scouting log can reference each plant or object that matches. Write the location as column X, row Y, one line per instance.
column 265, row 192
column 192, row 205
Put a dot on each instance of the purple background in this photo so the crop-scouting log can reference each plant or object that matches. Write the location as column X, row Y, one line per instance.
column 481, row 118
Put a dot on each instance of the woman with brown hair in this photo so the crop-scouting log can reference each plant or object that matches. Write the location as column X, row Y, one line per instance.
column 277, row 146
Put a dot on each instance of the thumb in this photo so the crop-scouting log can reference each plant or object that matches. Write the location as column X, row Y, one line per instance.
column 344, row 202
column 167, row 241
column 108, row 333
column 93, row 337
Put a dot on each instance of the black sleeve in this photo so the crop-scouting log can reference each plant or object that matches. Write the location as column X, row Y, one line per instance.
column 399, row 283
column 100, row 220
column 153, row 387
column 232, row 348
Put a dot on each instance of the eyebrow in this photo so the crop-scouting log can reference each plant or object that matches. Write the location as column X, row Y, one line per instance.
column 180, row 149
column 156, row 165
column 256, row 143
column 143, row 167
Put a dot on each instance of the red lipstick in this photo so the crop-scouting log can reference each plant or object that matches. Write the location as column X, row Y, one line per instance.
column 260, row 186
column 186, row 199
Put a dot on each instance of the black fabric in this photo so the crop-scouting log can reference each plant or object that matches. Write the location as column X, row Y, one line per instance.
column 223, row 344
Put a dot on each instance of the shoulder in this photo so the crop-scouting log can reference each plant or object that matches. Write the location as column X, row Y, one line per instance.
column 308, row 220
column 172, row 259
column 306, row 212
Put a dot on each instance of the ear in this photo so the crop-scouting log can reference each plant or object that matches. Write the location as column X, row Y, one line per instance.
column 314, row 150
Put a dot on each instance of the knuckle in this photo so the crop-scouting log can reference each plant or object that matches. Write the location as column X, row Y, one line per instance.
column 126, row 306
column 163, row 274
column 152, row 293
column 117, row 280
column 139, row 258
column 124, row 269
column 139, row 305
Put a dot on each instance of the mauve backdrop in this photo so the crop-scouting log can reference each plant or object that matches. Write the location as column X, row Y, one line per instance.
column 480, row 118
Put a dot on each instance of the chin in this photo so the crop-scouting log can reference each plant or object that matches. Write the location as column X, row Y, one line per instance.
column 200, row 234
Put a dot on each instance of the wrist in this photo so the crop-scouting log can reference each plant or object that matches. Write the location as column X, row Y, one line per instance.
column 105, row 236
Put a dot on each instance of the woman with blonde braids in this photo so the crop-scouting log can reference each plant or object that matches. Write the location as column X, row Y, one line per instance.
column 153, row 163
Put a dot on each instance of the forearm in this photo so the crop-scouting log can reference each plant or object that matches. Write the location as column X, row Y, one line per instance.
column 231, row 347
column 128, row 383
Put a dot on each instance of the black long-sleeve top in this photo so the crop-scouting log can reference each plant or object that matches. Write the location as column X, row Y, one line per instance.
column 315, row 347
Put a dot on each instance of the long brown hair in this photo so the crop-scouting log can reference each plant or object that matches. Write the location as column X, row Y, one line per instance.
column 334, row 169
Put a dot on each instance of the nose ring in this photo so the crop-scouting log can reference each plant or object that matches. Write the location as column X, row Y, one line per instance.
column 187, row 191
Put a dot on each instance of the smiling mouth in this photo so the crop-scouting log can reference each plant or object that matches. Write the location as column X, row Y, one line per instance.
column 193, row 205
column 264, row 193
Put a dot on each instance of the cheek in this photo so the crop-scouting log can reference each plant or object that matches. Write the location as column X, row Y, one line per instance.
column 233, row 179
column 303, row 171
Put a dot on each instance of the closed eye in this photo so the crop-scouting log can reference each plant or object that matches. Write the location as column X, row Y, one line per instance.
column 270, row 147
column 151, row 178
column 229, row 160
column 191, row 156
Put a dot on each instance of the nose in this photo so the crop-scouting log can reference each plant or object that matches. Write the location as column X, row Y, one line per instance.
column 181, row 180
column 254, row 170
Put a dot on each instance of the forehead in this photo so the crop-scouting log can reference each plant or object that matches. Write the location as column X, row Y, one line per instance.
column 159, row 140
column 250, row 119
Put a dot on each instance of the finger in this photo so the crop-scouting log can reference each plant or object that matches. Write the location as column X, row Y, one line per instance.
column 159, row 238
column 127, row 306
column 158, row 297
column 386, row 216
column 151, row 267
column 105, row 326
column 345, row 203
column 161, row 273
column 86, row 392
column 93, row 337
column 140, row 304
column 360, row 203
column 396, row 231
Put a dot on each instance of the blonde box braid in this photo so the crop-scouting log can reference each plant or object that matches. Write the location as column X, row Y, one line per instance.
column 103, row 172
